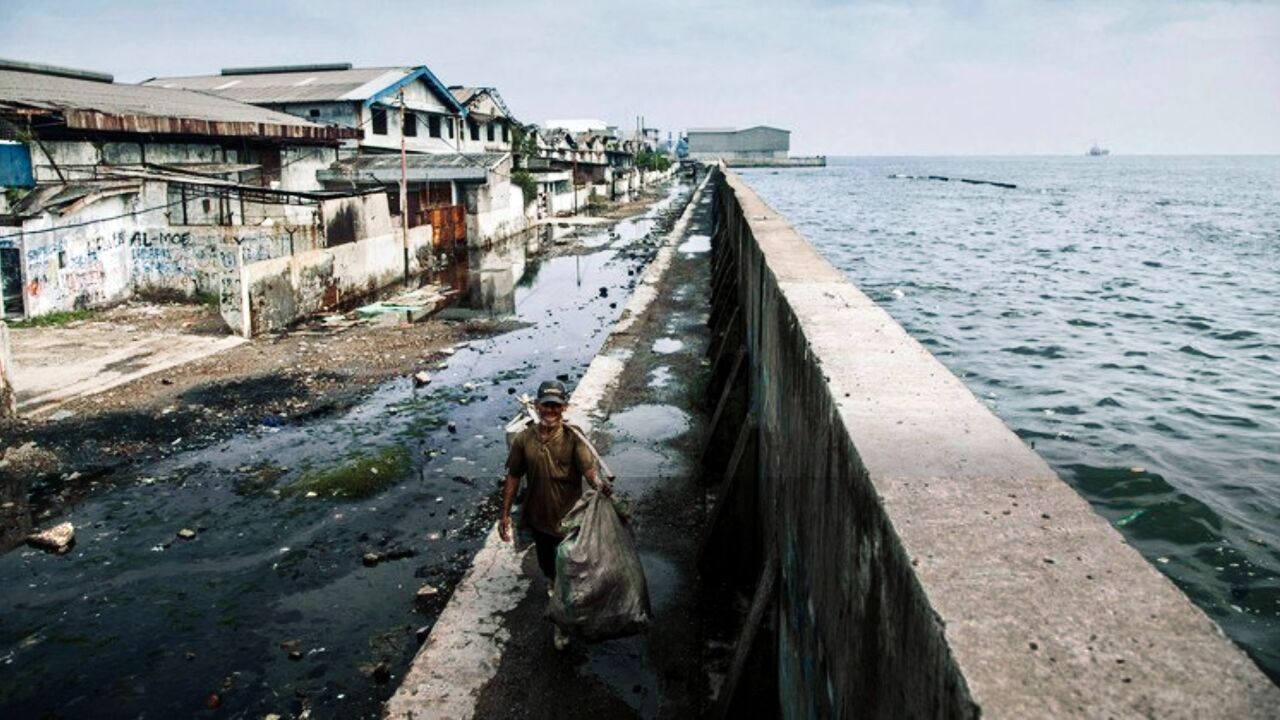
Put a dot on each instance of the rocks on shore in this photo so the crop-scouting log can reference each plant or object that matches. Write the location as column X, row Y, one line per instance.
column 58, row 539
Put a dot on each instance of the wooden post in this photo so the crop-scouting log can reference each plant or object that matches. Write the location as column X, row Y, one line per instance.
column 8, row 403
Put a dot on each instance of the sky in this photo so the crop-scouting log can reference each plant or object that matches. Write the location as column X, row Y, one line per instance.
column 851, row 77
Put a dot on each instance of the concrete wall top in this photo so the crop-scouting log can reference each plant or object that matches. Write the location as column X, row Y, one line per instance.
column 1044, row 608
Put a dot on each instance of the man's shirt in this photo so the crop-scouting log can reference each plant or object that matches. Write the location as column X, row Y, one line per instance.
column 555, row 468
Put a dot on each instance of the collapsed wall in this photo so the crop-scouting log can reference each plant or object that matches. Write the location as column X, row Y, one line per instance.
column 929, row 563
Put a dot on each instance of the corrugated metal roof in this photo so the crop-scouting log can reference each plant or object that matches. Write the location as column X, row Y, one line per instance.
column 385, row 168
column 133, row 108
column 357, row 84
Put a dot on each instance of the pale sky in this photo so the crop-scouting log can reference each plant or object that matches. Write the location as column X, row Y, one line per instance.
column 847, row 77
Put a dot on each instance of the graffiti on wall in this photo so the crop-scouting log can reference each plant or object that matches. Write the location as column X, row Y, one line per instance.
column 192, row 260
column 68, row 272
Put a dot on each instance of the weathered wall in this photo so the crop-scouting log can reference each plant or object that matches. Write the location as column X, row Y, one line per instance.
column 495, row 209
column 281, row 291
column 931, row 565
column 348, row 219
column 8, row 402
column 191, row 259
column 81, row 260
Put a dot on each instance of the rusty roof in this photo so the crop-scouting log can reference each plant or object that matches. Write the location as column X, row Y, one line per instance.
column 385, row 167
column 111, row 107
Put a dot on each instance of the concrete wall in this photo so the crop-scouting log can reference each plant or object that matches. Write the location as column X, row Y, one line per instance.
column 8, row 403
column 495, row 209
column 191, row 259
column 83, row 259
column 931, row 565
column 281, row 291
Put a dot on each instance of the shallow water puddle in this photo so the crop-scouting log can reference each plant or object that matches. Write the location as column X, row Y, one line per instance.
column 651, row 422
column 695, row 244
column 666, row 346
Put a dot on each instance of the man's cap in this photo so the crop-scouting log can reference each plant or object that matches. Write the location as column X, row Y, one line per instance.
column 552, row 391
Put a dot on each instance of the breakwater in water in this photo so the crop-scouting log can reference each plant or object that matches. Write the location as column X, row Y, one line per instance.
column 920, row 557
column 1118, row 314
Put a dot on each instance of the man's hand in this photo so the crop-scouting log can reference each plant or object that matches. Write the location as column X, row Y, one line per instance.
column 504, row 527
column 605, row 488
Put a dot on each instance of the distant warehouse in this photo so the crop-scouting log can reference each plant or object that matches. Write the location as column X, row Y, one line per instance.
column 754, row 146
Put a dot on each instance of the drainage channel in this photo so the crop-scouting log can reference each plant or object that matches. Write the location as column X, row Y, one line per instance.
column 297, row 592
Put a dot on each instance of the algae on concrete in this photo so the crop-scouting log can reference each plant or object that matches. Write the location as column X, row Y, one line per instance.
column 360, row 477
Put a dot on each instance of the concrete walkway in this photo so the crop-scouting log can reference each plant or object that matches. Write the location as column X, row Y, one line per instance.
column 52, row 366
column 490, row 654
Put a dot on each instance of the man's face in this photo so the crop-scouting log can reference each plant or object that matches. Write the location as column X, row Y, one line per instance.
column 551, row 413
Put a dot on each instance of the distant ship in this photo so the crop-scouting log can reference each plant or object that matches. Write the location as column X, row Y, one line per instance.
column 1096, row 151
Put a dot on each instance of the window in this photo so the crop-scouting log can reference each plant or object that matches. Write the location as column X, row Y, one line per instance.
column 450, row 128
column 490, row 128
column 475, row 129
column 433, row 125
column 505, row 137
column 314, row 112
column 410, row 128
column 379, row 121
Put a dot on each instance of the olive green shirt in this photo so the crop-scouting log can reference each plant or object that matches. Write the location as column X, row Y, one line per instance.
column 555, row 469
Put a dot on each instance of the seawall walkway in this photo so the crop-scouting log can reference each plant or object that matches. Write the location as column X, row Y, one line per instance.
column 490, row 653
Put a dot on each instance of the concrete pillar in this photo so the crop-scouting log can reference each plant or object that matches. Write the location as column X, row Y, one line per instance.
column 8, row 407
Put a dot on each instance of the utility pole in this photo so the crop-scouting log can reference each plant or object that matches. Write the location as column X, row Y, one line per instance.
column 404, row 193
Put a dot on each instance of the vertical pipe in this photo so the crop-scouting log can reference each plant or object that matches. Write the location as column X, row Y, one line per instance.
column 404, row 193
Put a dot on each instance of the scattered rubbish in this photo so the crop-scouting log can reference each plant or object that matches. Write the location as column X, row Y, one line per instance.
column 382, row 674
column 371, row 559
column 422, row 633
column 187, row 534
column 1130, row 517
column 604, row 292
column 421, row 378
column 273, row 421
column 1137, row 470
column 447, row 350
column 427, row 592
column 58, row 539
column 62, row 415
column 453, row 427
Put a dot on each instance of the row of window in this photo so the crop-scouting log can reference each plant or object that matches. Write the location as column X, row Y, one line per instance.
column 410, row 129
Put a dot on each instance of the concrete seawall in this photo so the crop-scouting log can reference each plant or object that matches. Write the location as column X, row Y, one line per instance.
column 928, row 563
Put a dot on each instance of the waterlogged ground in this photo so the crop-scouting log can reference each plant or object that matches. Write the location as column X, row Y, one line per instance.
column 1119, row 313
column 297, row 591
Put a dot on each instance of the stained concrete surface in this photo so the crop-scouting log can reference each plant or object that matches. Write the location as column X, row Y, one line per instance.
column 56, row 365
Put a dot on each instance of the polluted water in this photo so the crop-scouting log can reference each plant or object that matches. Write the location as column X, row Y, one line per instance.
column 315, row 555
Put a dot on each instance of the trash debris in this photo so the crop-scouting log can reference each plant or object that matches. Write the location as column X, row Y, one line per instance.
column 382, row 674
column 600, row 590
column 371, row 558
column 421, row 379
column 187, row 534
column 59, row 539
column 1130, row 517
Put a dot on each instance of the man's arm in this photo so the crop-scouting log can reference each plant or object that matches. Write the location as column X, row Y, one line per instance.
column 511, row 484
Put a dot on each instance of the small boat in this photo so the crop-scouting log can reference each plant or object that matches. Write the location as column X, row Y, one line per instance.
column 1096, row 151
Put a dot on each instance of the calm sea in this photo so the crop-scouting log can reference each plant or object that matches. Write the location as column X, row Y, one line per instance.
column 1121, row 314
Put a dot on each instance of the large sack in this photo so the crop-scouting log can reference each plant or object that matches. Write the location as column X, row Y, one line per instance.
column 600, row 590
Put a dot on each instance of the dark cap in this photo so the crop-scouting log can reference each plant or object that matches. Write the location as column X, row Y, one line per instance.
column 552, row 391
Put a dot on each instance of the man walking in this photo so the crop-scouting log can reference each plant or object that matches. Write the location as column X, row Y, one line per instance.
column 556, row 461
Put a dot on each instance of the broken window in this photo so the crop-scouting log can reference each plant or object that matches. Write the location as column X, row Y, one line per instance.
column 433, row 125
column 410, row 128
column 379, row 121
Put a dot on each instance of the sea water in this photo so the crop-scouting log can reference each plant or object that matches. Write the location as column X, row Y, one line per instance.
column 1121, row 314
